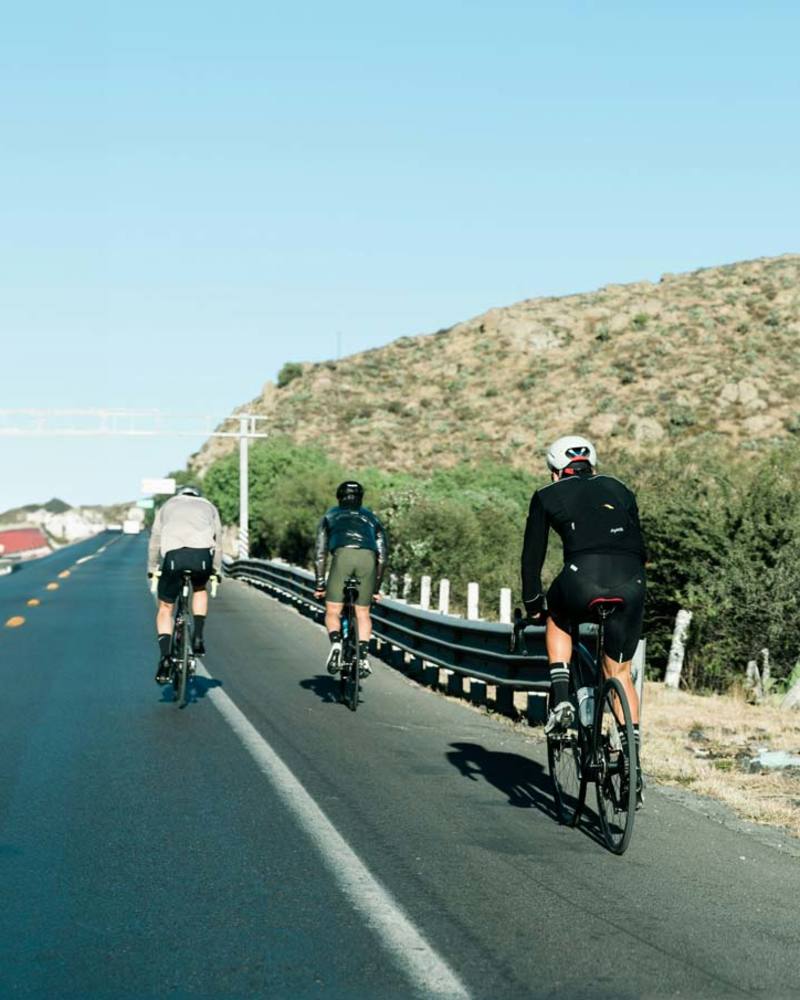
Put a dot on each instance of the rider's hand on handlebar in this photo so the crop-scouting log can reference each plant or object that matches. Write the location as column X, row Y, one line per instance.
column 534, row 607
column 319, row 593
column 377, row 597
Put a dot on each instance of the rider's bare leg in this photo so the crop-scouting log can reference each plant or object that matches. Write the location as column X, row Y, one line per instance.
column 364, row 623
column 559, row 654
column 200, row 602
column 333, row 614
column 558, row 642
column 622, row 671
column 164, row 618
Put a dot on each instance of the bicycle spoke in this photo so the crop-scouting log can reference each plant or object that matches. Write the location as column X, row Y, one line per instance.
column 615, row 756
column 564, row 759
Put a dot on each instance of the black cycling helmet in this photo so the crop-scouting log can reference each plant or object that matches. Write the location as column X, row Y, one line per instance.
column 350, row 493
column 189, row 491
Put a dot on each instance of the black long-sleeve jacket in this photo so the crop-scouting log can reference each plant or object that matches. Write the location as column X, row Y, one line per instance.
column 350, row 527
column 592, row 514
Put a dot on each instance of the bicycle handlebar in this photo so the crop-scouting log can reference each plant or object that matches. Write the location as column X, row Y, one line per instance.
column 516, row 641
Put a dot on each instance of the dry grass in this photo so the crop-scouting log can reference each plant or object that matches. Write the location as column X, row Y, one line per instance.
column 706, row 743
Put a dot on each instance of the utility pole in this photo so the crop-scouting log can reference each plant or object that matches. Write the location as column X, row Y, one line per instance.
column 244, row 489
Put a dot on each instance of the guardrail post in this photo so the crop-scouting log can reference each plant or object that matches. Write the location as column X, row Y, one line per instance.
column 444, row 596
column 430, row 674
column 504, row 700
column 454, row 683
column 536, row 710
column 425, row 593
column 398, row 658
column 683, row 620
column 637, row 668
column 407, row 581
column 477, row 691
column 473, row 597
column 415, row 667
column 505, row 605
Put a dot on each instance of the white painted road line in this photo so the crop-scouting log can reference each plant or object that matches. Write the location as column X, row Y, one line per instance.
column 429, row 972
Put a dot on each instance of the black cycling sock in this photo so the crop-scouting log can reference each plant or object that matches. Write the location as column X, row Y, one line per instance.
column 559, row 683
column 363, row 648
column 335, row 636
column 164, row 642
column 199, row 625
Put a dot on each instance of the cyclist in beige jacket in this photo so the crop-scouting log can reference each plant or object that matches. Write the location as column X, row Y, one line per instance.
column 186, row 534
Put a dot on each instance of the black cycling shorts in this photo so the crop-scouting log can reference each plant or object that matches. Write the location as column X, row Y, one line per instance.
column 585, row 577
column 199, row 561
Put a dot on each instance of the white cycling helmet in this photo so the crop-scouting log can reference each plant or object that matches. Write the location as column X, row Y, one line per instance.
column 571, row 448
column 189, row 491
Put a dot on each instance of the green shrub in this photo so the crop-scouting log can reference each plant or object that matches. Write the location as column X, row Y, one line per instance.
column 290, row 371
column 722, row 530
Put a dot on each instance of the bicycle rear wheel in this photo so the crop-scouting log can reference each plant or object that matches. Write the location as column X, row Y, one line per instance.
column 182, row 692
column 350, row 652
column 564, row 760
column 614, row 751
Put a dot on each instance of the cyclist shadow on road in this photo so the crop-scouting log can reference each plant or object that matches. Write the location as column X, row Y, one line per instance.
column 324, row 686
column 523, row 781
column 198, row 688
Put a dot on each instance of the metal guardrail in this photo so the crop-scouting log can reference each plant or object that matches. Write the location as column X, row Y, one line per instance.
column 474, row 649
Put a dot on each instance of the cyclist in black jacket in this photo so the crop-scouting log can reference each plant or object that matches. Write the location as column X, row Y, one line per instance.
column 357, row 541
column 604, row 556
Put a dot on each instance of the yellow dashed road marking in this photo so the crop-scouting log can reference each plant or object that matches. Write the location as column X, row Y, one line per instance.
column 34, row 602
column 15, row 622
column 63, row 575
column 52, row 586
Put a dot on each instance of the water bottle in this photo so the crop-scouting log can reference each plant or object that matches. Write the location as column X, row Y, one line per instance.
column 586, row 705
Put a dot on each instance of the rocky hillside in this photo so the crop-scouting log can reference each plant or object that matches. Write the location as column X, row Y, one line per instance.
column 716, row 350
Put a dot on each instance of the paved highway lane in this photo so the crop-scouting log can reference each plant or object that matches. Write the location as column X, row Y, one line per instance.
column 146, row 851
column 29, row 580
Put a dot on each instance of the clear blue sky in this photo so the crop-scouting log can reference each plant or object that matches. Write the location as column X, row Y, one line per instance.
column 194, row 193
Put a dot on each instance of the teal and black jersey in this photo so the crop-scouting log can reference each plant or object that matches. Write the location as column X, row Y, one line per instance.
column 593, row 515
column 352, row 528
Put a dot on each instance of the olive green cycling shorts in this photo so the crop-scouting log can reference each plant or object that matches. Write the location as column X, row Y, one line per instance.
column 362, row 563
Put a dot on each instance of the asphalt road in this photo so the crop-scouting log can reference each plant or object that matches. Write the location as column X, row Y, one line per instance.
column 266, row 842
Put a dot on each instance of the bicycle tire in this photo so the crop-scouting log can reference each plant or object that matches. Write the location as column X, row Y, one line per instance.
column 564, row 760
column 616, row 779
column 183, row 667
column 355, row 672
column 174, row 651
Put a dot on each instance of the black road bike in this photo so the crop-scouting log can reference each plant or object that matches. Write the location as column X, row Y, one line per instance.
column 349, row 674
column 599, row 745
column 181, row 655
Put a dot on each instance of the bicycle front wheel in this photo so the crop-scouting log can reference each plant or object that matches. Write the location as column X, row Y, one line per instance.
column 614, row 753
column 569, row 785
